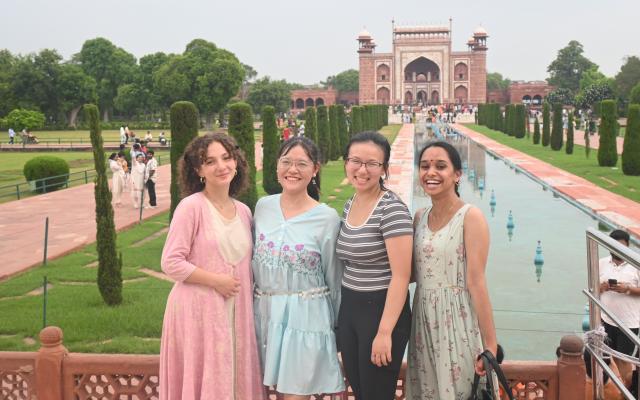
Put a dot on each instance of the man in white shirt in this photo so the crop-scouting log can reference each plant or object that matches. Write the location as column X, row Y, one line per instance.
column 151, row 177
column 12, row 135
column 620, row 293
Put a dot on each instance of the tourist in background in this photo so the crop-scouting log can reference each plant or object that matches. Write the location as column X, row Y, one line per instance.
column 375, row 243
column 123, row 136
column 297, row 277
column 117, row 179
column 122, row 160
column 620, row 293
column 137, row 179
column 151, row 177
column 148, row 137
column 208, row 348
column 452, row 315
column 12, row 135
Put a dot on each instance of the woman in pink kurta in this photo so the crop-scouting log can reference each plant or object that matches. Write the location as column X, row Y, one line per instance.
column 208, row 348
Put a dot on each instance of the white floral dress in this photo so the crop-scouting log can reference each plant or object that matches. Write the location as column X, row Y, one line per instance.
column 445, row 338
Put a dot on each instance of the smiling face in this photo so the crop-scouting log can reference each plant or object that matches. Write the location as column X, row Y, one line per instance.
column 219, row 167
column 295, row 170
column 437, row 174
column 362, row 177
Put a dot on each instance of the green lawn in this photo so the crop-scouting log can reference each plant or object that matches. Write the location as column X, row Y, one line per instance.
column 608, row 178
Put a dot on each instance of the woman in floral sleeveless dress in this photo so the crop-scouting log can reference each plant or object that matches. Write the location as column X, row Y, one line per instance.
column 452, row 315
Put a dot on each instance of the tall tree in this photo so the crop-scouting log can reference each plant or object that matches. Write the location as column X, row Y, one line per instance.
column 566, row 70
column 333, row 133
column 34, row 82
column 249, row 75
column 184, row 127
column 7, row 69
column 342, row 128
column 241, row 128
column 631, row 147
column 556, row 128
column 495, row 81
column 75, row 88
column 536, row 131
column 311, row 124
column 569, row 146
column 345, row 81
column 546, row 128
column 629, row 75
column 607, row 147
column 270, row 144
column 109, row 264
column 267, row 92
column 324, row 140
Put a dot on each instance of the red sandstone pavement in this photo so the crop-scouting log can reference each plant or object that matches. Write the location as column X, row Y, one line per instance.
column 72, row 222
column 594, row 141
column 401, row 163
column 617, row 209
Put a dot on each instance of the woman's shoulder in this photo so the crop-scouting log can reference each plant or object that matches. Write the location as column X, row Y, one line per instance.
column 391, row 198
column 326, row 211
column 192, row 201
column 242, row 208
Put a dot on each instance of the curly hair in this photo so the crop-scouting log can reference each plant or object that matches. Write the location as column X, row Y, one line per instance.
column 196, row 153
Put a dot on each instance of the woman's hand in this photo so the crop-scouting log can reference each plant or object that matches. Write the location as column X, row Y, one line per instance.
column 381, row 349
column 479, row 366
column 227, row 285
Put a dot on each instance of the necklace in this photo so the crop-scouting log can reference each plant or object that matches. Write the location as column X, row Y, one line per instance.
column 437, row 218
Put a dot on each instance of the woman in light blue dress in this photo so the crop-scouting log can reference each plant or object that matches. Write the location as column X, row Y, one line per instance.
column 297, row 279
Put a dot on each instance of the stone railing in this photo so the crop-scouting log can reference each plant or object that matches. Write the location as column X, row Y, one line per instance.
column 53, row 373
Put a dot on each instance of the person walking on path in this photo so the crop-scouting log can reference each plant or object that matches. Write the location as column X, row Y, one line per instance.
column 208, row 347
column 297, row 276
column 151, row 177
column 123, row 136
column 117, row 179
column 452, row 315
column 375, row 244
column 12, row 135
column 137, row 180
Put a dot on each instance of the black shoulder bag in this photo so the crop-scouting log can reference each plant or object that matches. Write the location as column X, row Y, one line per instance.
column 495, row 378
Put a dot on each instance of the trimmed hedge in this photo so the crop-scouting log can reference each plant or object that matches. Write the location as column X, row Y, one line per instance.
column 607, row 150
column 334, row 153
column 324, row 140
column 520, row 117
column 241, row 128
column 184, row 127
column 546, row 128
column 109, row 263
column 42, row 167
column 356, row 120
column 631, row 147
column 270, row 146
column 343, row 132
column 556, row 128
column 568, row 148
column 311, row 124
column 536, row 131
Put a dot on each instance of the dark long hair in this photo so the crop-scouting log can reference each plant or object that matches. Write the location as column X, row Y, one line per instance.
column 196, row 153
column 453, row 154
column 312, row 151
column 378, row 140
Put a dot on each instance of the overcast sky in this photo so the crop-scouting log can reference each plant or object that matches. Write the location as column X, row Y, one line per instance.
column 305, row 41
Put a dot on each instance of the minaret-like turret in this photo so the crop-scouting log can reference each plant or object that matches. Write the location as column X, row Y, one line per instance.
column 366, row 48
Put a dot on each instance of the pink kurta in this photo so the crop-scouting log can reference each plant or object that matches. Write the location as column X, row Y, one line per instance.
column 197, row 348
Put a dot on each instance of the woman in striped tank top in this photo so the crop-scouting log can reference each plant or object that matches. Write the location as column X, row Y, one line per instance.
column 375, row 243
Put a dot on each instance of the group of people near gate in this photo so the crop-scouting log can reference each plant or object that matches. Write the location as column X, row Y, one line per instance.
column 143, row 174
column 304, row 300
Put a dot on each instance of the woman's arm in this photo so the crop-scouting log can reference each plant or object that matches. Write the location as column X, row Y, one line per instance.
column 476, row 241
column 399, row 249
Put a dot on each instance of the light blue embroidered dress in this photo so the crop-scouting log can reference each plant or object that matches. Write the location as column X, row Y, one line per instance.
column 296, row 298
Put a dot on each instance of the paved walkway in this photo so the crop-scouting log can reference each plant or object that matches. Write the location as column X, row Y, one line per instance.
column 401, row 164
column 594, row 140
column 610, row 206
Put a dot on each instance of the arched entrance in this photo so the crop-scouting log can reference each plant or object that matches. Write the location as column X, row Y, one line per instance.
column 408, row 97
column 526, row 99
column 537, row 100
column 383, row 95
column 319, row 101
column 461, row 94
column 435, row 97
column 382, row 73
column 423, row 67
column 460, row 72
column 421, row 97
column 299, row 103
column 309, row 102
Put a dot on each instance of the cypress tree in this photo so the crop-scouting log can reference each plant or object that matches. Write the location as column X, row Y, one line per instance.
column 607, row 151
column 342, row 128
column 556, row 128
column 508, row 116
column 311, row 124
column 109, row 264
column 631, row 146
column 356, row 120
column 568, row 148
column 335, row 137
column 241, row 128
column 536, row 131
column 324, row 139
column 270, row 145
column 184, row 127
column 385, row 115
column 519, row 118
column 546, row 128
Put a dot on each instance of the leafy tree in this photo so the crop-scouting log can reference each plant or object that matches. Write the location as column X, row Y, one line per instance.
column 149, row 65
column 241, row 128
column 546, row 131
column 271, row 142
column 109, row 264
column 20, row 119
column 591, row 76
column 343, row 133
column 566, row 70
column 569, row 146
column 264, row 92
column 629, row 76
column 7, row 69
column 249, row 75
column 75, row 88
column 593, row 94
column 184, row 127
column 556, row 128
column 333, row 132
column 634, row 95
column 495, row 81
column 324, row 139
column 345, row 81
column 311, row 124
column 631, row 146
column 34, row 82
column 562, row 96
column 536, row 131
column 132, row 99
column 607, row 149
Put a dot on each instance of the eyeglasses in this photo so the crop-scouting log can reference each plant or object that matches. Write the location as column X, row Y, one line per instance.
column 301, row 165
column 369, row 165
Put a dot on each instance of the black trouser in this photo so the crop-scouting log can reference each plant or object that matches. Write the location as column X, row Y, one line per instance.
column 617, row 340
column 358, row 321
column 151, row 187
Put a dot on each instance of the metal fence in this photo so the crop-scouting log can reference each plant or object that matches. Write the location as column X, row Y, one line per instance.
column 598, row 364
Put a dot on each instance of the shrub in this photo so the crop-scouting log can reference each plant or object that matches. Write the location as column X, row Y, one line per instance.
column 546, row 131
column 569, row 146
column 42, row 167
column 271, row 143
column 631, row 147
column 20, row 119
column 607, row 151
column 184, row 127
column 520, row 116
column 109, row 264
column 324, row 141
column 536, row 131
column 342, row 128
column 356, row 120
column 634, row 95
column 311, row 124
column 335, row 137
column 241, row 128
column 556, row 128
